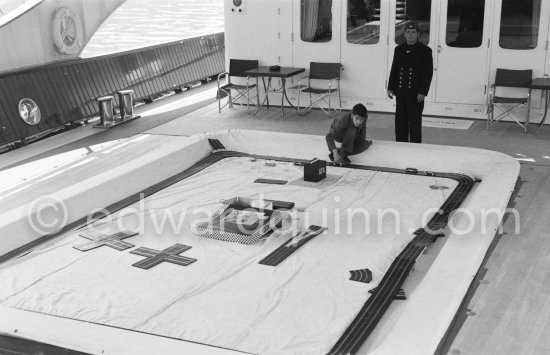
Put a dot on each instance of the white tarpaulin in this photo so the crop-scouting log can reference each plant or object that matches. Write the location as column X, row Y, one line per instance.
column 96, row 301
column 226, row 298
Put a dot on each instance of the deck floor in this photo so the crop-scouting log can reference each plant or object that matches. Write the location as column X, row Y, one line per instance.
column 507, row 310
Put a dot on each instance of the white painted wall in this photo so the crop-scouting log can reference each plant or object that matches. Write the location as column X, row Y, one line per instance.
column 269, row 30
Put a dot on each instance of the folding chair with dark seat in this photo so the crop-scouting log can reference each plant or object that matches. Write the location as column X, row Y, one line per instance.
column 237, row 69
column 323, row 81
column 517, row 82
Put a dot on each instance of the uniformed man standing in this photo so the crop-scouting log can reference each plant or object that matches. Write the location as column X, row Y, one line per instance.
column 410, row 78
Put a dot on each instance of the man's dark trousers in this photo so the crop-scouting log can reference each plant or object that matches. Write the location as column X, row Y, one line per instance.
column 408, row 120
column 351, row 144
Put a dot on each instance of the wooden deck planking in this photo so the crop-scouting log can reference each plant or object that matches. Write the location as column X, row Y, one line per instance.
column 511, row 306
column 15, row 346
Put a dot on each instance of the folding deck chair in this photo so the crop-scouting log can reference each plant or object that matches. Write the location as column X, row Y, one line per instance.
column 517, row 82
column 323, row 83
column 237, row 69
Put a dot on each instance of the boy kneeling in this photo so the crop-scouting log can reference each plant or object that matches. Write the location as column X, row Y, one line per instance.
column 350, row 130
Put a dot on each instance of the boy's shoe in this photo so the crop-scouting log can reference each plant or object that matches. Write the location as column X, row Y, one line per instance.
column 344, row 157
column 345, row 160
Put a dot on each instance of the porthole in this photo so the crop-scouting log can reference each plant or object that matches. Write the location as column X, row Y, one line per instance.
column 29, row 112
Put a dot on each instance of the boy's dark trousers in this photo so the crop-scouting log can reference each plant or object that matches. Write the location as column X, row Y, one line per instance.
column 352, row 144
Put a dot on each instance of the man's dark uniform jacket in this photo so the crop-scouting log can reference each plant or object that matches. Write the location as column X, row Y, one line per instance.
column 411, row 71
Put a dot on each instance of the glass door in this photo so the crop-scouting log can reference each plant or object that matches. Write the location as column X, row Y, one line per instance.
column 520, row 38
column 364, row 49
column 546, row 35
column 462, row 52
column 316, row 32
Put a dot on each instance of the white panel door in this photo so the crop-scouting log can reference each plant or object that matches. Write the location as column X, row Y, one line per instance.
column 364, row 53
column 516, row 42
column 547, row 37
column 514, row 45
column 316, row 32
column 462, row 51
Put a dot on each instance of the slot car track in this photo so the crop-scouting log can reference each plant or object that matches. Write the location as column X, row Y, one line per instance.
column 379, row 301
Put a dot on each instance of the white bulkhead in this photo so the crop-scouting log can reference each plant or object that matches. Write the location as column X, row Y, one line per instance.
column 469, row 40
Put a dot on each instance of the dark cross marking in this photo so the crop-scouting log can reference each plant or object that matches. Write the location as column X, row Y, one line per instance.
column 362, row 275
column 97, row 240
column 291, row 245
column 155, row 257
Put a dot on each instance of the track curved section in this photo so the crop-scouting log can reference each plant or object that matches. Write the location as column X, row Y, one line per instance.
column 374, row 308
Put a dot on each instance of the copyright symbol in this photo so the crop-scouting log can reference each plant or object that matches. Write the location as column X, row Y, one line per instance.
column 47, row 214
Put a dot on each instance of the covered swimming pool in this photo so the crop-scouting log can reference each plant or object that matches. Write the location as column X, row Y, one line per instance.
column 402, row 220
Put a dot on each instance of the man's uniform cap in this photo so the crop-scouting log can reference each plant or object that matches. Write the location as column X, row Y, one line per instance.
column 411, row 25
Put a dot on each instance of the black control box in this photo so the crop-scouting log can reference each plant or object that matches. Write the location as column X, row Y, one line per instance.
column 315, row 170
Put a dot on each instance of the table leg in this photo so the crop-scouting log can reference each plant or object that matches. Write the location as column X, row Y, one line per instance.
column 544, row 115
column 286, row 97
column 257, row 93
column 258, row 96
column 283, row 94
column 267, row 90
column 528, row 111
column 266, row 97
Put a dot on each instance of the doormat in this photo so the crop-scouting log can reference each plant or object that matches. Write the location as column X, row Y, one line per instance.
column 440, row 122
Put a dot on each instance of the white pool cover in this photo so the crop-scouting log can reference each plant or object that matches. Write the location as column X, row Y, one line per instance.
column 224, row 297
